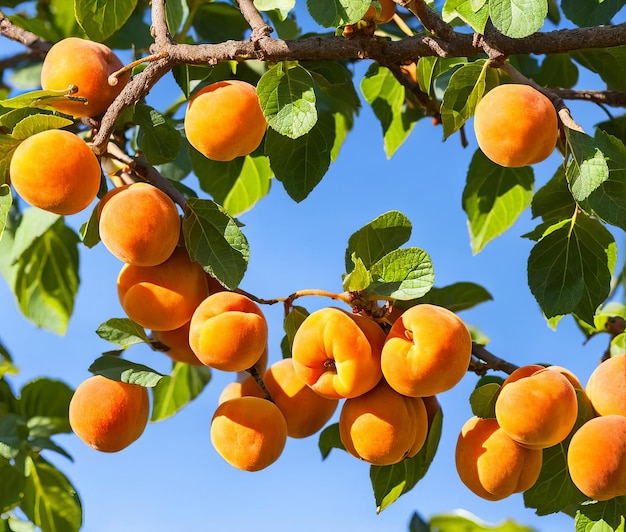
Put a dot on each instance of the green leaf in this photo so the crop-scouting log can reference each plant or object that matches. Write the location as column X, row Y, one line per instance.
column 158, row 140
column 493, row 198
column 483, row 400
column 402, row 274
column 6, row 200
column 282, row 7
column 13, row 434
column 390, row 482
column 121, row 370
column 7, row 146
column 178, row 389
column 557, row 70
column 102, row 18
column 176, row 12
column 335, row 13
column 292, row 322
column 90, row 231
column 591, row 12
column 386, row 95
column 214, row 239
column 605, row 516
column 518, row 18
column 217, row 22
column 377, row 238
column 122, row 332
column 33, row 124
column 359, row 277
column 554, row 201
column 463, row 523
column 587, row 169
column 458, row 296
column 46, row 398
column 606, row 62
column 50, row 501
column 11, row 487
column 570, row 268
column 287, row 98
column 329, row 439
column 474, row 16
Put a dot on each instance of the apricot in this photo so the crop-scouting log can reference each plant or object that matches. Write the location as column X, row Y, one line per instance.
column 56, row 171
column 420, row 416
column 384, row 15
column 247, row 387
column 606, row 387
column 139, row 224
column 491, row 464
column 250, row 433
column 539, row 410
column 177, row 343
column 165, row 296
column 427, row 351
column 516, row 125
column 108, row 415
column 224, row 120
column 596, row 457
column 228, row 331
column 337, row 353
column 380, row 427
column 87, row 65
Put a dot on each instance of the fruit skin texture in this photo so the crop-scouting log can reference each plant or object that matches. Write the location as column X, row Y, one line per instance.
column 178, row 342
column 56, row 171
column 515, row 125
column 596, row 457
column 162, row 297
column 109, row 415
column 538, row 411
column 228, row 331
column 606, row 387
column 337, row 353
column 387, row 11
column 224, row 120
column 139, row 225
column 249, row 432
column 88, row 65
column 491, row 464
column 427, row 351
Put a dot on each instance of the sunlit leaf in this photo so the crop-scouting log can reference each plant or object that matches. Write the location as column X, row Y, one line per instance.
column 178, row 389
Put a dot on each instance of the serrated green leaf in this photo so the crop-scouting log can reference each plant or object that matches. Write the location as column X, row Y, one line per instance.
column 359, row 277
column 102, row 18
column 483, row 400
column 591, row 12
column 33, row 124
column 554, row 201
column 282, row 7
column 158, row 140
column 121, row 370
column 474, row 14
column 329, row 439
column 588, row 168
column 122, row 332
column 11, row 487
column 457, row 296
column 493, row 198
column 46, row 398
column 292, row 322
column 178, row 389
column 214, row 239
column 606, row 62
column 402, row 274
column 335, row 13
column 605, row 516
column 518, row 18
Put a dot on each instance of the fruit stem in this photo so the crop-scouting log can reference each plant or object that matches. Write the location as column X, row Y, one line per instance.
column 259, row 380
column 490, row 361
column 113, row 78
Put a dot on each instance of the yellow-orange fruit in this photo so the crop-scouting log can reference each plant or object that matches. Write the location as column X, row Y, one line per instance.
column 56, row 171
column 139, row 225
column 386, row 13
column 427, row 351
column 421, row 423
column 491, row 464
column 606, row 387
column 538, row 411
column 228, row 331
column 596, row 457
column 337, row 353
column 108, row 415
column 515, row 125
column 249, row 432
column 177, row 342
column 247, row 387
column 165, row 296
column 87, row 65
column 379, row 426
column 521, row 372
column 224, row 120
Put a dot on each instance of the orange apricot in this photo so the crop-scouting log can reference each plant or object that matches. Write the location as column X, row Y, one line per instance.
column 108, row 415
column 224, row 120
column 228, row 331
column 420, row 421
column 539, row 410
column 337, row 353
column 165, row 296
column 56, row 171
column 249, row 432
column 384, row 14
column 491, row 464
column 596, row 457
column 139, row 224
column 247, row 387
column 516, row 125
column 606, row 386
column 87, row 65
column 521, row 372
column 427, row 351
column 177, row 343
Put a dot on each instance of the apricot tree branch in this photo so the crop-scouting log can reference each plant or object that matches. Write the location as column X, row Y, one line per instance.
column 608, row 97
column 429, row 18
column 490, row 360
column 254, row 19
column 159, row 29
column 347, row 297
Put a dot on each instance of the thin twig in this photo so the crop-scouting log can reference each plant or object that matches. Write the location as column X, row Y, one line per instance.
column 254, row 19
column 491, row 360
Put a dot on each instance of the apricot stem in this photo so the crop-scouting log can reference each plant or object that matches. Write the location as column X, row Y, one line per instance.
column 346, row 297
column 259, row 380
column 148, row 59
column 490, row 360
column 403, row 26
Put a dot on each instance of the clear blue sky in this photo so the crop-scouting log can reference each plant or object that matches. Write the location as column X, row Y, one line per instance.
column 172, row 479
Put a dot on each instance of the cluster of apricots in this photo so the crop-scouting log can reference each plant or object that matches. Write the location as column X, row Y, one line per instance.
column 538, row 407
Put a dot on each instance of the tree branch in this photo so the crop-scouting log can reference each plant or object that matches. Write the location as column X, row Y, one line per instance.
column 254, row 19
column 491, row 361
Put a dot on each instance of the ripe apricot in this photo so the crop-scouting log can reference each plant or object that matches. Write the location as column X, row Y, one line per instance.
column 177, row 342
column 56, row 171
column 224, row 120
column 516, row 125
column 108, row 415
column 249, row 432
column 491, row 464
column 228, row 331
column 427, row 351
column 606, row 387
column 380, row 427
column 384, row 15
column 337, row 353
column 247, row 387
column 165, row 296
column 139, row 224
column 596, row 457
column 539, row 410
column 421, row 423
column 87, row 65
